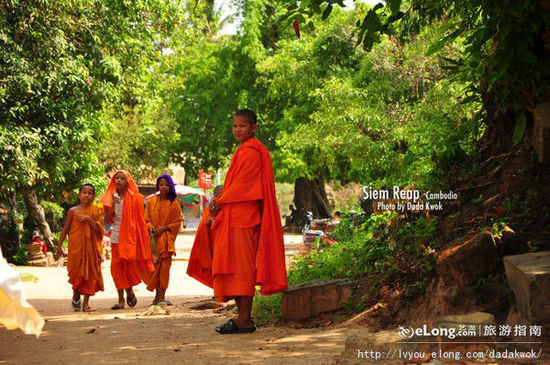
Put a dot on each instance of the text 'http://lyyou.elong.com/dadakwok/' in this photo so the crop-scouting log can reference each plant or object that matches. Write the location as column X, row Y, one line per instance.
column 489, row 354
column 462, row 335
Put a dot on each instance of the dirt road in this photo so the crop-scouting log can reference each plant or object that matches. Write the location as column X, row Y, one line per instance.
column 125, row 336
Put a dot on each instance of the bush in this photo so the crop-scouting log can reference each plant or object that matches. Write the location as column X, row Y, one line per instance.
column 372, row 246
column 267, row 309
column 17, row 255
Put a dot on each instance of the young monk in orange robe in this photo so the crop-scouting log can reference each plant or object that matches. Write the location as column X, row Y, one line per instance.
column 248, row 237
column 129, row 238
column 163, row 219
column 85, row 222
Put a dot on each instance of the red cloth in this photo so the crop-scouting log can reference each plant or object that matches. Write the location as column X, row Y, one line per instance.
column 133, row 242
column 44, row 248
column 249, row 188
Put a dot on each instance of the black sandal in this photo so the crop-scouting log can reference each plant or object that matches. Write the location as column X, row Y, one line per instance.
column 230, row 328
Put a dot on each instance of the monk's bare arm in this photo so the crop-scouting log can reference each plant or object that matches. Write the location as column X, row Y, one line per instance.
column 63, row 235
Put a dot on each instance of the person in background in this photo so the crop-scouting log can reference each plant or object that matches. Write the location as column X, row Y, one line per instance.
column 36, row 239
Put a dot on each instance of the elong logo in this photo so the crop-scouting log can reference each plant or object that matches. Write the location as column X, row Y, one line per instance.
column 409, row 332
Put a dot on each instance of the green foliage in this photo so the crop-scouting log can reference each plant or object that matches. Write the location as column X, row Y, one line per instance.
column 141, row 140
column 503, row 43
column 17, row 255
column 266, row 309
column 54, row 209
column 519, row 129
column 21, row 148
column 518, row 210
column 376, row 247
column 62, row 62
column 345, row 115
column 326, row 108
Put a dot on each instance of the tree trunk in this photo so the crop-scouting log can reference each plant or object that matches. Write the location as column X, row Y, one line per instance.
column 10, row 237
column 310, row 195
column 36, row 212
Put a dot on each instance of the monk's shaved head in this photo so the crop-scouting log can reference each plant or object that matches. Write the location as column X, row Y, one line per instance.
column 248, row 114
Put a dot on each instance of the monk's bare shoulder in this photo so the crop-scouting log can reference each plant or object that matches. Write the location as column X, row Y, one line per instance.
column 70, row 214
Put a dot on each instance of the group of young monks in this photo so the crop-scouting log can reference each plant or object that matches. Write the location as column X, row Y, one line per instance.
column 238, row 244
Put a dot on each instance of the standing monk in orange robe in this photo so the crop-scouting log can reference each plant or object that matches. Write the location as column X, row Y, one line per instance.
column 129, row 238
column 163, row 219
column 248, row 237
column 85, row 222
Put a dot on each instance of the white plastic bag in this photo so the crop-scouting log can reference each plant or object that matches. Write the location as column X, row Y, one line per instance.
column 15, row 311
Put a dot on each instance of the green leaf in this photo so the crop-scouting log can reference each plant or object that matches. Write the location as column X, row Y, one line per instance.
column 435, row 47
column 327, row 12
column 519, row 130
column 395, row 17
column 410, row 158
column 526, row 56
column 394, row 6
column 377, row 6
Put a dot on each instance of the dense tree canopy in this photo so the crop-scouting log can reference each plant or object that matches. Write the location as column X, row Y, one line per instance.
column 61, row 61
column 87, row 87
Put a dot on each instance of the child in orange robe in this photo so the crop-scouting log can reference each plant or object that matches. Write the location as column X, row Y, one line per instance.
column 85, row 222
column 248, row 237
column 130, row 251
column 163, row 219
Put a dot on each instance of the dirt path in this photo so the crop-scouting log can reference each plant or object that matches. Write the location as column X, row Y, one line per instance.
column 125, row 336
column 182, row 336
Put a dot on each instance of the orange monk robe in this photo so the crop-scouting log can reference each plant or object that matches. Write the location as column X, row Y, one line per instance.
column 132, row 253
column 200, row 259
column 85, row 249
column 248, row 236
column 163, row 213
